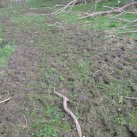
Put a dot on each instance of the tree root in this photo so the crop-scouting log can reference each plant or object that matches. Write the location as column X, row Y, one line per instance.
column 65, row 100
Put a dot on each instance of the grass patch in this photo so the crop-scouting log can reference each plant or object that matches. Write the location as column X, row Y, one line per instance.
column 101, row 23
column 5, row 53
column 6, row 49
column 83, row 71
column 36, row 3
column 42, row 3
column 117, row 90
column 47, row 120
column 28, row 19
column 133, row 118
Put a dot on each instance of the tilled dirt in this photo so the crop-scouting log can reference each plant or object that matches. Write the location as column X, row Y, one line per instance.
column 107, row 59
column 98, row 60
column 20, row 70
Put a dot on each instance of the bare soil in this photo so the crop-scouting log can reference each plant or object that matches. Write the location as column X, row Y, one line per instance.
column 85, row 59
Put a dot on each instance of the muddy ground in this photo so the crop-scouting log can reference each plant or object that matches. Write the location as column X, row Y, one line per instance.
column 95, row 71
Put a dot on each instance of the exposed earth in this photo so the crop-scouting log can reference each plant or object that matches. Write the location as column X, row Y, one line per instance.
column 94, row 71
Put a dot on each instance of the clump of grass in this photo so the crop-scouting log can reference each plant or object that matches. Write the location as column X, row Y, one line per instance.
column 82, row 70
column 133, row 118
column 48, row 121
column 122, row 120
column 117, row 90
column 5, row 52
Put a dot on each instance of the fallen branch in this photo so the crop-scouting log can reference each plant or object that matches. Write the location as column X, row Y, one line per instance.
column 132, row 98
column 65, row 100
column 5, row 100
column 71, row 7
column 66, row 6
column 117, row 10
column 127, row 32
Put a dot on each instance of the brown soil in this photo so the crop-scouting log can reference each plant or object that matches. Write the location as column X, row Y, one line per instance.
column 108, row 60
column 20, row 70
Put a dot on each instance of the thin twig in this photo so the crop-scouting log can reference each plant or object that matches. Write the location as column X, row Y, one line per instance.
column 71, row 7
column 65, row 100
column 62, row 9
column 125, row 20
column 127, row 27
column 26, row 125
column 112, row 8
column 99, row 70
column 130, row 12
column 5, row 100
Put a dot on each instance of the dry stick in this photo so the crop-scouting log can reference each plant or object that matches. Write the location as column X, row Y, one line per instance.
column 65, row 100
column 131, row 12
column 131, row 98
column 71, row 7
column 62, row 9
column 112, row 8
column 129, row 26
column 133, row 21
column 5, row 100
column 120, row 19
column 117, row 10
column 127, row 32
column 99, row 70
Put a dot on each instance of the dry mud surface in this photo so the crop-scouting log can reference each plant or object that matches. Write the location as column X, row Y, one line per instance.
column 86, row 60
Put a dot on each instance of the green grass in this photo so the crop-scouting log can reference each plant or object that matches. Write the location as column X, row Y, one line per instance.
column 96, row 23
column 133, row 118
column 42, row 3
column 6, row 49
column 101, row 23
column 48, row 120
column 36, row 3
column 122, row 120
column 82, row 71
column 23, row 20
column 117, row 90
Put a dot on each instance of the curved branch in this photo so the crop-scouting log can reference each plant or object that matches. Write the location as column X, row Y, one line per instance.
column 65, row 100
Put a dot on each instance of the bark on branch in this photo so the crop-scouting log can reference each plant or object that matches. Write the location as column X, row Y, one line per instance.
column 65, row 100
column 116, row 11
